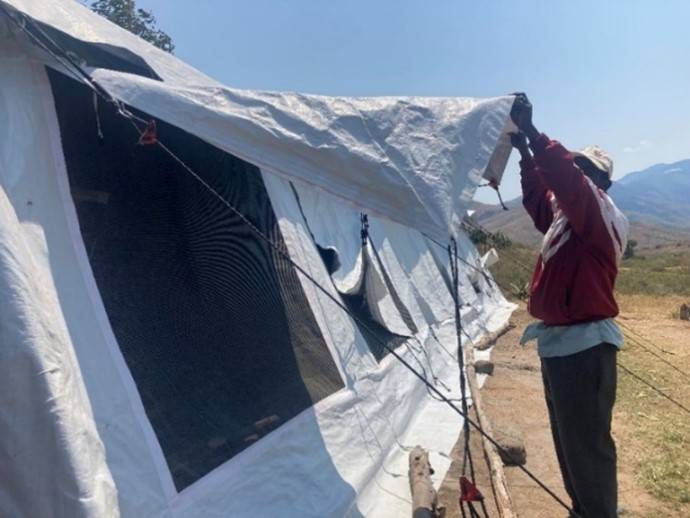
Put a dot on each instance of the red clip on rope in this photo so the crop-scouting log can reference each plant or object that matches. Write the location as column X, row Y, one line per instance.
column 469, row 491
column 150, row 135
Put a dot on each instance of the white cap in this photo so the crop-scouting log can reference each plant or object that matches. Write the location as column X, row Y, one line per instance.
column 599, row 158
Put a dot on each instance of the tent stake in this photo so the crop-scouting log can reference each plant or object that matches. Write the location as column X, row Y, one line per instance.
column 424, row 497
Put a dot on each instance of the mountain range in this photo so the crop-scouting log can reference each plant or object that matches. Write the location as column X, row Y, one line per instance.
column 656, row 201
column 658, row 195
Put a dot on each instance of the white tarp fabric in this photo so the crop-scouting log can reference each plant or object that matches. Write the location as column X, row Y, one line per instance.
column 75, row 438
column 52, row 460
column 344, row 457
column 394, row 409
column 413, row 160
column 337, row 225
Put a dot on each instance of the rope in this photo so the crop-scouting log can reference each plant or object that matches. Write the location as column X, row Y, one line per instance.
column 631, row 330
column 99, row 129
column 59, row 54
column 478, row 269
column 493, row 183
column 640, row 379
column 467, row 453
column 654, row 388
column 658, row 356
column 365, row 236
column 132, row 118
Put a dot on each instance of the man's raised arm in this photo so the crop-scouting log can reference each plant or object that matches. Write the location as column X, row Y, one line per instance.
column 535, row 196
column 555, row 167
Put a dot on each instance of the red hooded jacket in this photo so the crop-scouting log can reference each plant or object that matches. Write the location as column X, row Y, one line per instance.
column 584, row 238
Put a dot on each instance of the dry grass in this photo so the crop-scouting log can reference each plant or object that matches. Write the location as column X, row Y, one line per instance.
column 644, row 307
column 653, row 434
column 656, row 274
column 659, row 274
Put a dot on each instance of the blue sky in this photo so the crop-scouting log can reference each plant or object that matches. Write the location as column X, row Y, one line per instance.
column 615, row 73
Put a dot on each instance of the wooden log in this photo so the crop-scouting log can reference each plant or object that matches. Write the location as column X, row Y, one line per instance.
column 424, row 497
column 489, row 340
column 504, row 503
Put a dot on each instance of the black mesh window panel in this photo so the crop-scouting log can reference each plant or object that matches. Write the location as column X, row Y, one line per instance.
column 213, row 323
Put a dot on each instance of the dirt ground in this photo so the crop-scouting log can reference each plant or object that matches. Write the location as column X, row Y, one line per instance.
column 513, row 399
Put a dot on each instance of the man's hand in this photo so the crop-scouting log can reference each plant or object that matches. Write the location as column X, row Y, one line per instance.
column 521, row 113
column 519, row 142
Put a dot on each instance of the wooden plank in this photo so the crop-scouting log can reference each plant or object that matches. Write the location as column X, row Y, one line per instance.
column 503, row 501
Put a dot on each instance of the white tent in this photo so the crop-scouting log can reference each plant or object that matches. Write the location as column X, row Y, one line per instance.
column 157, row 357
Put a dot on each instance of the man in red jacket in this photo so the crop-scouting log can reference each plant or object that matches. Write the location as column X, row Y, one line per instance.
column 572, row 294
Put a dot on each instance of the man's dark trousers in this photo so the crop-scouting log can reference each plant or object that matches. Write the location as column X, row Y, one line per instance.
column 580, row 391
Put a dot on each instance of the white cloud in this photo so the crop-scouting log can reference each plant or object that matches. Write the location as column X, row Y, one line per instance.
column 642, row 144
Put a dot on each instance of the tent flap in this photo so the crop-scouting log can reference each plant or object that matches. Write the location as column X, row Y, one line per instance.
column 413, row 160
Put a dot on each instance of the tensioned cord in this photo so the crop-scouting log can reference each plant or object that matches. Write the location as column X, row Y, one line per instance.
column 652, row 352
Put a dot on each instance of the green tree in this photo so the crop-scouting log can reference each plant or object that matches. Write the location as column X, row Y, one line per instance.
column 501, row 241
column 141, row 22
column 480, row 236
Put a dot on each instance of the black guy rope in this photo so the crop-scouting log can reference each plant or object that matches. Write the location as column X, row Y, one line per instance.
column 657, row 355
column 467, row 453
column 469, row 224
column 44, row 41
column 641, row 379
column 632, row 331
column 478, row 269
column 654, row 388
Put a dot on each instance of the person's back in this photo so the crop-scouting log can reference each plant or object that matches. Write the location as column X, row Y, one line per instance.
column 572, row 293
column 585, row 237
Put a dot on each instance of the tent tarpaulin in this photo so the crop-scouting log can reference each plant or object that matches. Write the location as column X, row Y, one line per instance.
column 90, row 232
column 414, row 160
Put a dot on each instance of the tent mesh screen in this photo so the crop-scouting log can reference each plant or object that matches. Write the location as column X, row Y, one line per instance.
column 377, row 336
column 212, row 322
